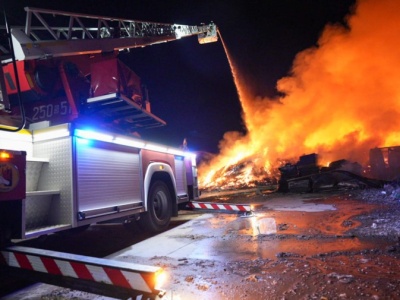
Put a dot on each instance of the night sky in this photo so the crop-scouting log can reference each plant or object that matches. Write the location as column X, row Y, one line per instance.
column 190, row 85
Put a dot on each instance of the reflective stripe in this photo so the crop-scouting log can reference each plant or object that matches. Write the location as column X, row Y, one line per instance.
column 219, row 206
column 116, row 273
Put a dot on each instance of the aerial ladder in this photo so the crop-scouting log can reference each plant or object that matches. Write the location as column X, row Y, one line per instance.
column 63, row 68
column 56, row 52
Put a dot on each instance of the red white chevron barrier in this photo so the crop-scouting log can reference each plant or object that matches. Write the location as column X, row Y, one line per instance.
column 126, row 275
column 219, row 206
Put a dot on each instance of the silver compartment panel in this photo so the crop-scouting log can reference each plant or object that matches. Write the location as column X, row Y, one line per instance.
column 55, row 175
column 106, row 177
column 180, row 177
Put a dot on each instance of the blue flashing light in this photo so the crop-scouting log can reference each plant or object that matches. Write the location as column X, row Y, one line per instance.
column 93, row 135
column 84, row 142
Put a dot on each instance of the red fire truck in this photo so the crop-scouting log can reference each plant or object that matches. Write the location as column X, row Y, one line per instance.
column 69, row 109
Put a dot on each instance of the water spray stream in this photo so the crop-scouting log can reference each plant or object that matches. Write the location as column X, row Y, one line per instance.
column 341, row 99
column 235, row 150
column 232, row 66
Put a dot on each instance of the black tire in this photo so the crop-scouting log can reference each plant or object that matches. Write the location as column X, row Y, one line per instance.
column 159, row 212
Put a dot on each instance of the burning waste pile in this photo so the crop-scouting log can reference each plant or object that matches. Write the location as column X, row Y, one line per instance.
column 243, row 174
column 306, row 175
column 340, row 100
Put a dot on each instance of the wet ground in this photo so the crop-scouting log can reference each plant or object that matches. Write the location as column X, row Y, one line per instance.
column 331, row 245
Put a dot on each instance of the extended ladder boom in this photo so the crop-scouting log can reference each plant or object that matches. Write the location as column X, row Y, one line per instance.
column 49, row 33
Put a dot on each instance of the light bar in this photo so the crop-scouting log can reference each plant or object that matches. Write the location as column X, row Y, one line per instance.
column 92, row 135
column 131, row 142
column 176, row 151
column 50, row 133
column 154, row 147
column 23, row 135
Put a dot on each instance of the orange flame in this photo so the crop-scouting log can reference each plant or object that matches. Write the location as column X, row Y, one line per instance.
column 341, row 99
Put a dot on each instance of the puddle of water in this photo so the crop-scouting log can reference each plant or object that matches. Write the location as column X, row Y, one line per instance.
column 297, row 205
column 269, row 247
column 263, row 226
column 304, row 235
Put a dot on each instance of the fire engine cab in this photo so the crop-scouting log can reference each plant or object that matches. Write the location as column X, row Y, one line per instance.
column 69, row 109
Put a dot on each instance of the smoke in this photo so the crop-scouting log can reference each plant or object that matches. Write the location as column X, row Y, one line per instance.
column 341, row 98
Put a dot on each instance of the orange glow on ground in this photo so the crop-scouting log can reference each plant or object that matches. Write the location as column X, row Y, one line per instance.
column 341, row 99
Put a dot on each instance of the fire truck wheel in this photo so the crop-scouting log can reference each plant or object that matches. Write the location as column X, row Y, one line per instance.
column 159, row 212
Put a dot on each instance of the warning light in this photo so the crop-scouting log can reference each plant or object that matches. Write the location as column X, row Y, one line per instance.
column 160, row 278
column 161, row 167
column 5, row 155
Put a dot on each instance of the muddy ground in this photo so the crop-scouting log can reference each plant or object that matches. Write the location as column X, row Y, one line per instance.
column 349, row 252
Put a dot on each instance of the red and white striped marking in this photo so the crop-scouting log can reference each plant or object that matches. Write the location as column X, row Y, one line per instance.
column 122, row 274
column 219, row 206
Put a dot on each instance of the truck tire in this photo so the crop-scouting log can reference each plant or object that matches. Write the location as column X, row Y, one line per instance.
column 159, row 212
